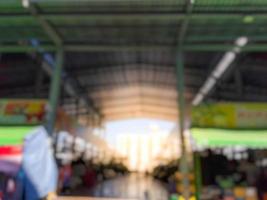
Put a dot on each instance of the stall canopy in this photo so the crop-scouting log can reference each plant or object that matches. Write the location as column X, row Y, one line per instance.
column 214, row 137
column 230, row 124
column 14, row 135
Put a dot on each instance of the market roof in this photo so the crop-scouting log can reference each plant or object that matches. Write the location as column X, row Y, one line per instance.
column 220, row 138
column 121, row 54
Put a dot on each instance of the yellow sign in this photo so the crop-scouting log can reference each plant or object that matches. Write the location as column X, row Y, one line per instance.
column 230, row 115
column 20, row 112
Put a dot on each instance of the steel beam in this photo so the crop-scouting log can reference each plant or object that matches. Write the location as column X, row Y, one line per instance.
column 186, row 48
column 51, row 32
column 139, row 114
column 113, row 48
column 54, row 92
column 24, row 48
column 134, row 16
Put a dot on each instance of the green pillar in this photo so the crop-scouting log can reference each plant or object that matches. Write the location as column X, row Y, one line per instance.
column 181, row 105
column 198, row 179
column 54, row 91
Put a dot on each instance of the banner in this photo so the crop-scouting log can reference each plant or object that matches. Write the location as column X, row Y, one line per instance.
column 11, row 153
column 39, row 163
column 230, row 115
column 22, row 112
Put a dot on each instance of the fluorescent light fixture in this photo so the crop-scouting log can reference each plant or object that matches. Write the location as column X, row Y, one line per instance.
column 224, row 63
column 241, row 41
column 25, row 3
column 220, row 68
column 198, row 99
column 208, row 85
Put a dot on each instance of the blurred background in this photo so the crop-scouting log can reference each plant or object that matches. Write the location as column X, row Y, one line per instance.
column 133, row 99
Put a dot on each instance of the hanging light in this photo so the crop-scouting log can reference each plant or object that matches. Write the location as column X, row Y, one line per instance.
column 224, row 63
column 220, row 68
column 198, row 99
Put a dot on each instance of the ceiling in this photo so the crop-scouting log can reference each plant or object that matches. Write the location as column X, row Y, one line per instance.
column 120, row 55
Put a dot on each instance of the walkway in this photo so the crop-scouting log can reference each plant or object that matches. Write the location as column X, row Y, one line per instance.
column 135, row 186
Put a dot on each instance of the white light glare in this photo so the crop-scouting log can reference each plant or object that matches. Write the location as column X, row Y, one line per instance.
column 208, row 85
column 241, row 41
column 25, row 3
column 197, row 99
column 225, row 62
column 222, row 66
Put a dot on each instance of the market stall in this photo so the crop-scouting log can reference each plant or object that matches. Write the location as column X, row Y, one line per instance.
column 25, row 151
column 226, row 137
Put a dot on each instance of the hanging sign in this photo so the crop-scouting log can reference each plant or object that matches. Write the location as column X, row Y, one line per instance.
column 230, row 115
column 22, row 112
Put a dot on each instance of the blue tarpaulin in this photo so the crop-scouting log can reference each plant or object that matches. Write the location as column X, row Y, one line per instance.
column 39, row 164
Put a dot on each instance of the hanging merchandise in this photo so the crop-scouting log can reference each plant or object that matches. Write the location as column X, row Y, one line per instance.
column 39, row 164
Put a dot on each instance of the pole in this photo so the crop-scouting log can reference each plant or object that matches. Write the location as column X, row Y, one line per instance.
column 181, row 105
column 198, row 179
column 54, row 92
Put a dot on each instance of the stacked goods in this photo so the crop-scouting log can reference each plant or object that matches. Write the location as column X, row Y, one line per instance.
column 245, row 193
column 179, row 186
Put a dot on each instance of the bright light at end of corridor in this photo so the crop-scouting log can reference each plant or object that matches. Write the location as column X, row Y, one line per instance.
column 139, row 140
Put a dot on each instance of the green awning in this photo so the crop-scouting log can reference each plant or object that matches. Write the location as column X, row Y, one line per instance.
column 14, row 135
column 210, row 138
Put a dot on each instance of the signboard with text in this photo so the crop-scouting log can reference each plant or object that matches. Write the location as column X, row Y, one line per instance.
column 230, row 115
column 22, row 112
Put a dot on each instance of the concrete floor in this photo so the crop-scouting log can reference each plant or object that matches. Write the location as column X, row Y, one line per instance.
column 135, row 186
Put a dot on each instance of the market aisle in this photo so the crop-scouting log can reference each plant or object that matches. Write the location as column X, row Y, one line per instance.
column 135, row 186
column 88, row 198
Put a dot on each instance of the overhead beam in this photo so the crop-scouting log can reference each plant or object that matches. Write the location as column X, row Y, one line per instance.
column 225, row 92
column 113, row 48
column 57, row 40
column 16, row 48
column 191, row 81
column 51, row 32
column 138, row 100
column 133, row 108
column 130, row 95
column 142, row 110
column 121, row 116
column 134, row 16
column 161, row 108
column 92, row 70
column 186, row 48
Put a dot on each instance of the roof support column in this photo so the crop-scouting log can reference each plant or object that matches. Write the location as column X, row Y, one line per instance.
column 181, row 107
column 54, row 91
column 184, row 168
